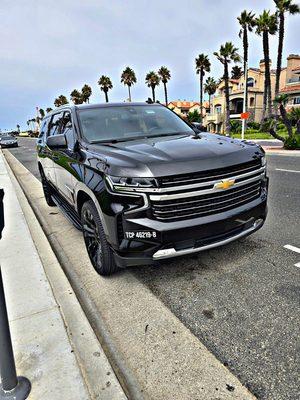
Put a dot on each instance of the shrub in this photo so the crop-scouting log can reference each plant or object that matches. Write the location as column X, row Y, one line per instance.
column 194, row 116
column 292, row 142
column 253, row 125
column 235, row 126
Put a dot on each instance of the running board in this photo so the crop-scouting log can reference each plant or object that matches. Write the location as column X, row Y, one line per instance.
column 67, row 210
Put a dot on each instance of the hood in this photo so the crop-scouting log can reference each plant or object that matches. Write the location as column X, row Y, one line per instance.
column 174, row 155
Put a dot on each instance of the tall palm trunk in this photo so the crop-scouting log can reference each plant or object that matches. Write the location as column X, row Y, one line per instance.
column 153, row 93
column 106, row 96
column 279, row 52
column 245, row 45
column 129, row 94
column 267, row 83
column 166, row 93
column 227, row 114
column 201, row 93
column 268, row 75
column 209, row 102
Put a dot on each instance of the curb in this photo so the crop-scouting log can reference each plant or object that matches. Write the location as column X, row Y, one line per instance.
column 94, row 366
column 153, row 354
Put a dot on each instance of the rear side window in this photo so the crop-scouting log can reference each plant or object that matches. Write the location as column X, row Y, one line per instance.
column 55, row 125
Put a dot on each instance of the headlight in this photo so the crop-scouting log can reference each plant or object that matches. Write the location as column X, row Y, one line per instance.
column 263, row 161
column 132, row 184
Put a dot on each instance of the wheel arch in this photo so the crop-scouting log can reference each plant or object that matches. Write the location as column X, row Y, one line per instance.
column 83, row 194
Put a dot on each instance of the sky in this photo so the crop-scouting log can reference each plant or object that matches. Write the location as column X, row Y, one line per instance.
column 50, row 48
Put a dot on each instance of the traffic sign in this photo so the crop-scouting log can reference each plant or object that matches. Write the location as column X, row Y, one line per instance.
column 245, row 115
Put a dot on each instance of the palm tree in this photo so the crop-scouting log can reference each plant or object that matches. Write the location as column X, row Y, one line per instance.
column 128, row 78
column 18, row 128
column 41, row 113
column 48, row 109
column 266, row 24
column 283, row 6
column 105, row 85
column 295, row 116
column 152, row 80
column 60, row 101
column 202, row 66
column 236, row 72
column 86, row 93
column 226, row 54
column 281, row 102
column 165, row 76
column 210, row 88
column 247, row 22
column 76, row 97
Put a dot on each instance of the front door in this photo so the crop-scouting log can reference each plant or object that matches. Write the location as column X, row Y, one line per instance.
column 65, row 160
column 49, row 154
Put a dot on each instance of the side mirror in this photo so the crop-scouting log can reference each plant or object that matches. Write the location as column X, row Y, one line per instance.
column 57, row 142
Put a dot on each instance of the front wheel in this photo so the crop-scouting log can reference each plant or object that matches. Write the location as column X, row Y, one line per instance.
column 98, row 249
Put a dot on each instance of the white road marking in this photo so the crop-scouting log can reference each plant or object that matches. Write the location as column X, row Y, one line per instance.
column 295, row 249
column 287, row 170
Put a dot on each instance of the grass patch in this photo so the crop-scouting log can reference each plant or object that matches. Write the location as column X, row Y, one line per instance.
column 252, row 134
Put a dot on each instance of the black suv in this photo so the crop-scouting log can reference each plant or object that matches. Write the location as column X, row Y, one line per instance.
column 143, row 185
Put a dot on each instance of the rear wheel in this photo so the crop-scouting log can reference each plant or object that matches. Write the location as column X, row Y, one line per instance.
column 98, row 249
column 47, row 190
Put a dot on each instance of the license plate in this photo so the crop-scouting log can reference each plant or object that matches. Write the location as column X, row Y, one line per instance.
column 140, row 235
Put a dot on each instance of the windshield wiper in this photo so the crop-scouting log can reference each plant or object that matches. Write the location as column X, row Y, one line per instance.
column 113, row 141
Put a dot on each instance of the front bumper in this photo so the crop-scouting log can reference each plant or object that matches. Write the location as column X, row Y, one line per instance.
column 189, row 236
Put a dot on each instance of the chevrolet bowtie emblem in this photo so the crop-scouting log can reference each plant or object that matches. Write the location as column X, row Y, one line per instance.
column 226, row 184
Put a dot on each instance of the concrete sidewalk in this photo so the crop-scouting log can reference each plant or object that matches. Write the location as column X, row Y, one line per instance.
column 44, row 347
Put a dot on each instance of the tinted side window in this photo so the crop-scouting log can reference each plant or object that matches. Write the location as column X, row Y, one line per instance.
column 44, row 127
column 55, row 125
column 67, row 129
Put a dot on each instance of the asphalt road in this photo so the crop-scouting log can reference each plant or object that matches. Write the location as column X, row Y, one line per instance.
column 242, row 300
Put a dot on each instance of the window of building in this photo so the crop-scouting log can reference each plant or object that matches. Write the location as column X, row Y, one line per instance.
column 250, row 82
column 296, row 100
column 218, row 109
column 251, row 101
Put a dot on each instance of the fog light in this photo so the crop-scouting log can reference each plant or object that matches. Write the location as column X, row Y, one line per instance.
column 258, row 222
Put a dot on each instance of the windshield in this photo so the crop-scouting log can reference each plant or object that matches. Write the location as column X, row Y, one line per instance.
column 129, row 122
column 7, row 137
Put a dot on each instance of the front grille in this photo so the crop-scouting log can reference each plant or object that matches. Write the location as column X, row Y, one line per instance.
column 184, row 202
column 206, row 176
column 200, row 206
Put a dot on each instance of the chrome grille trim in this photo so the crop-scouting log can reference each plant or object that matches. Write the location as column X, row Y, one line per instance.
column 256, row 191
column 227, row 193
column 224, row 175
column 214, row 211
column 184, row 195
column 237, row 177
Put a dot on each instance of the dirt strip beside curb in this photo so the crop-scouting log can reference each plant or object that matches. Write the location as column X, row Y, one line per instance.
column 153, row 354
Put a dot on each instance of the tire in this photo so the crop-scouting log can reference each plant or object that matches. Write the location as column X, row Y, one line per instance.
column 47, row 190
column 98, row 249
